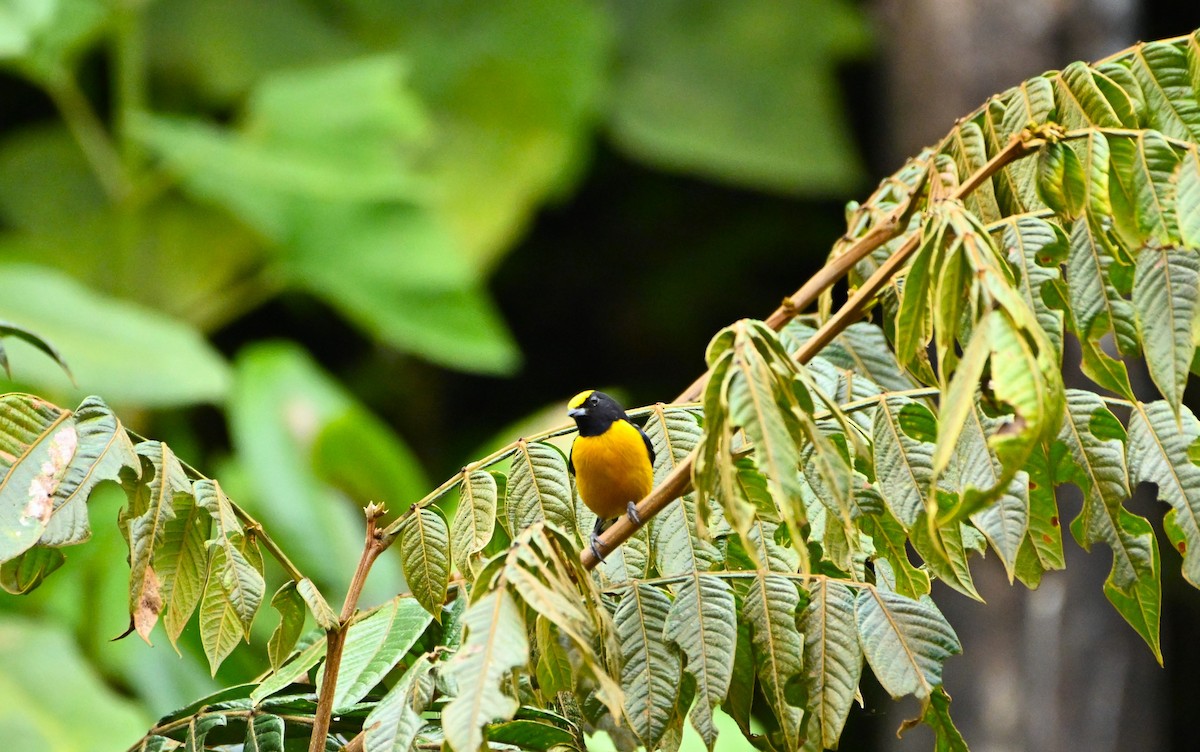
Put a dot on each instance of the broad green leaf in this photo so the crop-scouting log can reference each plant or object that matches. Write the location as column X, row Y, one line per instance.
column 770, row 606
column 295, row 670
column 425, row 554
column 677, row 546
column 290, row 605
column 181, row 563
column 833, row 659
column 24, row 573
column 1033, row 102
column 969, row 148
column 198, row 727
column 151, row 507
column 232, row 594
column 265, row 733
column 936, row 715
column 38, row 441
column 102, row 451
column 1094, row 439
column 1097, row 307
column 1142, row 190
column 891, row 543
column 1166, row 287
column 861, row 348
column 539, row 488
column 530, row 734
column 1081, row 95
column 1161, row 68
column 107, row 340
column 1042, row 550
column 9, row 329
column 906, row 641
column 1061, row 180
column 238, row 574
column 1036, row 249
column 393, row 724
column 1187, row 200
column 903, row 463
column 1157, row 452
column 650, row 673
column 317, row 605
column 496, row 644
column 1141, row 603
column 712, row 88
column 702, row 621
column 945, row 553
column 374, row 645
column 553, row 669
column 474, row 519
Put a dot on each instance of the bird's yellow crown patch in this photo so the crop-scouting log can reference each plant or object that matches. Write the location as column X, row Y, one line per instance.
column 578, row 399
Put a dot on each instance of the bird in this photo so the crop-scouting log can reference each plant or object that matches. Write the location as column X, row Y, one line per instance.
column 612, row 460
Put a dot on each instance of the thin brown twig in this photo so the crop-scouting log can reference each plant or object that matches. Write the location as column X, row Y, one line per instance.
column 679, row 482
column 376, row 543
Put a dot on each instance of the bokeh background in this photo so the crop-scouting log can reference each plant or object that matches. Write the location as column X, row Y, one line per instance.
column 331, row 250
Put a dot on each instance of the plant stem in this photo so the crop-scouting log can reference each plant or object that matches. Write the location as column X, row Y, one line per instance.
column 377, row 541
column 679, row 482
column 89, row 132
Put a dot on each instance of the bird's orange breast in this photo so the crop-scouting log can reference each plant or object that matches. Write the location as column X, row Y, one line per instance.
column 612, row 469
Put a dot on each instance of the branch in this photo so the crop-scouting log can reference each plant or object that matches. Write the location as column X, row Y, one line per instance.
column 376, row 543
column 679, row 482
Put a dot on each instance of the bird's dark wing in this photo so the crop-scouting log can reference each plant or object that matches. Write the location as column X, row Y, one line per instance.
column 645, row 438
column 570, row 459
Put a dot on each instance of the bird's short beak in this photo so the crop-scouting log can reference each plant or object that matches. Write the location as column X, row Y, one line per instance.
column 578, row 412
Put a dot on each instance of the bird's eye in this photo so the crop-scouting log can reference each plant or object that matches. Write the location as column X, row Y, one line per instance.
column 593, row 401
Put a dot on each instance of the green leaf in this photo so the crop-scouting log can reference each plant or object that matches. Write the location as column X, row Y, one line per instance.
column 24, row 573
column 1084, row 97
column 34, row 694
column 1187, row 200
column 650, row 672
column 107, row 341
column 425, row 554
column 906, row 641
column 1093, row 437
column 295, row 670
column 1161, row 68
column 945, row 553
column 474, row 519
column 702, row 622
column 181, row 563
column 539, row 488
column 9, row 329
column 317, row 604
column 936, row 715
column 553, row 669
column 1061, row 180
column 151, row 507
column 38, row 441
column 393, row 724
column 770, row 606
column 903, row 463
column 496, row 644
column 264, row 734
column 861, row 348
column 1166, row 287
column 891, row 543
column 833, row 659
column 677, row 546
column 1142, row 190
column 197, row 730
column 374, row 645
column 1042, row 550
column 1035, row 248
column 704, row 88
column 102, row 451
column 290, row 605
column 1157, row 453
column 231, row 597
column 1141, row 603
column 1096, row 306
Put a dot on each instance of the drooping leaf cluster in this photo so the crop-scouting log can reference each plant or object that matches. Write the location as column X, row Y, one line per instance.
column 1066, row 208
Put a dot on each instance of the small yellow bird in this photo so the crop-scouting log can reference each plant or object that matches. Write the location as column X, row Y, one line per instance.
column 612, row 460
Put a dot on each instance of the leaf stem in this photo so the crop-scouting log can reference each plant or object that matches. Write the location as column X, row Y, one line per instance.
column 377, row 541
column 89, row 132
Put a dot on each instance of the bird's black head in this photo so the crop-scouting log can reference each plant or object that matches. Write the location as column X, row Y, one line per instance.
column 594, row 412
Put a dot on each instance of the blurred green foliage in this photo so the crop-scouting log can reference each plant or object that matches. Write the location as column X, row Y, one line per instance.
column 187, row 161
